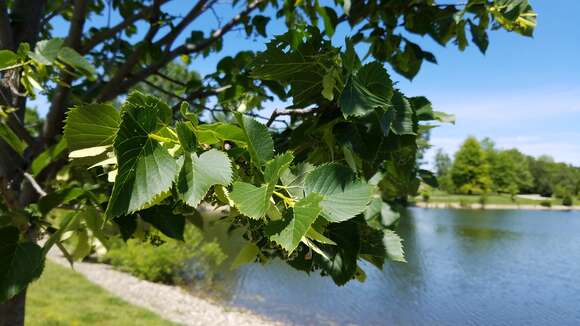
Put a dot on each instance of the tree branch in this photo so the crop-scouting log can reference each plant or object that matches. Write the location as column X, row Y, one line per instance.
column 55, row 117
column 183, row 49
column 197, row 10
column 111, row 87
column 281, row 112
column 164, row 91
column 35, row 184
column 217, row 34
column 55, row 12
column 107, row 33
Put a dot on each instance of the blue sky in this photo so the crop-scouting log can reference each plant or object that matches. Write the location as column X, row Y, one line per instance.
column 523, row 93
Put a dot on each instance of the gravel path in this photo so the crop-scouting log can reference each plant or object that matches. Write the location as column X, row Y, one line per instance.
column 169, row 302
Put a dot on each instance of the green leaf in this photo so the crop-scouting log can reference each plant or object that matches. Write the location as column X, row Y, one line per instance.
column 198, row 174
column 163, row 219
column 259, row 140
column 277, row 166
column 444, row 117
column 146, row 169
column 251, row 200
column 344, row 197
column 186, row 136
column 47, row 157
column 294, row 179
column 46, row 51
column 91, row 125
column 340, row 260
column 61, row 197
column 388, row 215
column 245, row 256
column 403, row 121
column 7, row 58
column 394, row 246
column 219, row 132
column 72, row 58
column 298, row 63
column 305, row 212
column 12, row 139
column 369, row 89
column 22, row 263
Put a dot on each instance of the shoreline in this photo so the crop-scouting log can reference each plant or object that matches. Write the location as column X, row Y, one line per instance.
column 170, row 302
column 477, row 206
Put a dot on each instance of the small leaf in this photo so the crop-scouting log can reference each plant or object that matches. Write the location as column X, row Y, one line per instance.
column 245, row 256
column 198, row 174
column 259, row 140
column 75, row 60
column 60, row 197
column 277, row 166
column 251, row 200
column 305, row 213
column 394, row 246
column 46, row 51
column 89, row 152
column 22, row 263
column 12, row 139
column 7, row 58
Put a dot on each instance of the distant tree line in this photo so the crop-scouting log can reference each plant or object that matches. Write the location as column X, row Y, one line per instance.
column 480, row 168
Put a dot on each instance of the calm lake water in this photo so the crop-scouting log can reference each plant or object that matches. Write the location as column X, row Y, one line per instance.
column 464, row 268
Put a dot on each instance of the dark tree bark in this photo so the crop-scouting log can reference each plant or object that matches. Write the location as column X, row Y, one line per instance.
column 23, row 25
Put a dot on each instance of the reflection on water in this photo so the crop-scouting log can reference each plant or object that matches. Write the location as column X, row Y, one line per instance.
column 464, row 267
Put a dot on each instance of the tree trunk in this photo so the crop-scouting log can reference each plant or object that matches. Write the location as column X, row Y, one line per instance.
column 12, row 312
column 22, row 24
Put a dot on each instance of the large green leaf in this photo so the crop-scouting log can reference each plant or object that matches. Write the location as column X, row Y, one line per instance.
column 198, row 174
column 340, row 260
column 22, row 263
column 344, row 197
column 368, row 89
column 146, row 169
column 251, row 200
column 259, row 140
column 163, row 219
column 91, row 125
column 305, row 212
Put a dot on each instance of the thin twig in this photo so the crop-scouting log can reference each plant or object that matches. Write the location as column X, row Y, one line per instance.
column 281, row 112
column 35, row 184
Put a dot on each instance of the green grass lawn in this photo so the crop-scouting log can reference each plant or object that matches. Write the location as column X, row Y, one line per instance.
column 497, row 199
column 64, row 297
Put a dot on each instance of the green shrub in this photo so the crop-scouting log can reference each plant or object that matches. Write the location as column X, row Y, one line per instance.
column 567, row 200
column 426, row 195
column 162, row 259
column 546, row 203
column 464, row 203
column 482, row 200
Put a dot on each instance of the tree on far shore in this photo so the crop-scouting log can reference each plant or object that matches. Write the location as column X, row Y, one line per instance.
column 470, row 170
